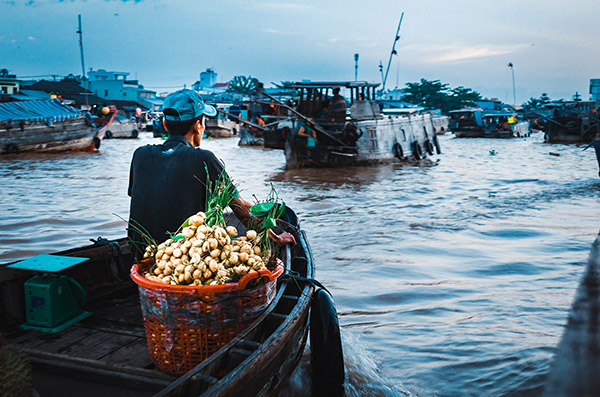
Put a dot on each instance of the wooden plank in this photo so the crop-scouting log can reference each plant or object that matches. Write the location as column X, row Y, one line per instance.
column 134, row 354
column 97, row 345
column 59, row 343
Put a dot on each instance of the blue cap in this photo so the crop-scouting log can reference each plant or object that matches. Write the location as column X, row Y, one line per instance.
column 184, row 105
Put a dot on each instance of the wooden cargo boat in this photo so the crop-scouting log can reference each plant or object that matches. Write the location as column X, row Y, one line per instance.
column 362, row 135
column 486, row 123
column 107, row 354
column 45, row 126
column 570, row 122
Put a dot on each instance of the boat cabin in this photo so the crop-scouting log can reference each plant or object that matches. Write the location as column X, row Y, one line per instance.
column 482, row 118
column 314, row 99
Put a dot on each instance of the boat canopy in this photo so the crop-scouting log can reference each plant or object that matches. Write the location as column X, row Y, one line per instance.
column 331, row 84
column 37, row 110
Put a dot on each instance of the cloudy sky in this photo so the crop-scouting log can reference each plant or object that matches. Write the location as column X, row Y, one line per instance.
column 553, row 44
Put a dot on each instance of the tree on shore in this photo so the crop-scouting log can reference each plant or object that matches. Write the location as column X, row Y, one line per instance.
column 537, row 102
column 244, row 84
column 437, row 95
column 72, row 78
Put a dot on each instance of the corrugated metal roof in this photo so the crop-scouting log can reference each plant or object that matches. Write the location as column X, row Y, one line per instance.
column 42, row 110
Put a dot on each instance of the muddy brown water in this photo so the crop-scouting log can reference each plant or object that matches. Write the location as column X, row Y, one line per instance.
column 451, row 278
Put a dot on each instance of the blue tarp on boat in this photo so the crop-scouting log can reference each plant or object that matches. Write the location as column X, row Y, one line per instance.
column 42, row 110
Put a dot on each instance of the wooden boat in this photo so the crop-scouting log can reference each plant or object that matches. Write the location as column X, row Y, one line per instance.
column 107, row 354
column 221, row 128
column 486, row 123
column 118, row 127
column 45, row 126
column 570, row 122
column 363, row 135
column 574, row 369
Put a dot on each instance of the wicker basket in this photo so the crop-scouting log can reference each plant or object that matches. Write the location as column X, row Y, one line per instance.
column 186, row 324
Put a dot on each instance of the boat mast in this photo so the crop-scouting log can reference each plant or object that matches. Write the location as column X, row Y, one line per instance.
column 80, row 32
column 393, row 52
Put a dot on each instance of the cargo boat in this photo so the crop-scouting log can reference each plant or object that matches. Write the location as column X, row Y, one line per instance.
column 45, row 126
column 364, row 135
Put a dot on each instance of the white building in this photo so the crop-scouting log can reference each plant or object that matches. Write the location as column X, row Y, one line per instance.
column 8, row 83
column 114, row 86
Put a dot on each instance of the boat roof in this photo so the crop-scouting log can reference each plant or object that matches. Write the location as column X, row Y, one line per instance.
column 330, row 84
column 485, row 112
column 36, row 110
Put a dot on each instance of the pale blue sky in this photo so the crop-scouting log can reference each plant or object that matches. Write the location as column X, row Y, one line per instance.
column 553, row 44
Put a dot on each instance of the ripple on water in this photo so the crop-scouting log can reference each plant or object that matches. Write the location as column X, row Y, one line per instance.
column 452, row 278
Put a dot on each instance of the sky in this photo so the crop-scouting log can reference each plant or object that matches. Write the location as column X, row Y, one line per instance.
column 552, row 44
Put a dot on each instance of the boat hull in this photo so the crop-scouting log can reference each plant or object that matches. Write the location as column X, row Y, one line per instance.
column 575, row 130
column 381, row 140
column 219, row 128
column 520, row 130
column 59, row 136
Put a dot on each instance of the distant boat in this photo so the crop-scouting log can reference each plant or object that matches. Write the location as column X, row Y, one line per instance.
column 220, row 128
column 360, row 135
column 45, row 126
column 117, row 126
column 570, row 122
column 487, row 123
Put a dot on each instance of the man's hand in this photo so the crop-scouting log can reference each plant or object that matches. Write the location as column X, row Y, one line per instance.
column 283, row 238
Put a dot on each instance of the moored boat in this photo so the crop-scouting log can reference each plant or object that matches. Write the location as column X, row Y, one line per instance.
column 361, row 135
column 107, row 352
column 487, row 123
column 45, row 126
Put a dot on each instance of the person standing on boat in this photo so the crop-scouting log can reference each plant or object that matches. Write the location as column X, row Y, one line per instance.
column 306, row 132
column 167, row 182
column 337, row 107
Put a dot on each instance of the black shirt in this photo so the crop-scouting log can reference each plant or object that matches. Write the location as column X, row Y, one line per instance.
column 167, row 185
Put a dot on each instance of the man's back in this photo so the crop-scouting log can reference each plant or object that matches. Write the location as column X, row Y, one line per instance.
column 167, row 184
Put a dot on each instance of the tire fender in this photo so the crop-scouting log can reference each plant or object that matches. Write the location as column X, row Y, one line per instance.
column 416, row 150
column 398, row 151
column 12, row 149
column 436, row 143
column 429, row 147
column 326, row 347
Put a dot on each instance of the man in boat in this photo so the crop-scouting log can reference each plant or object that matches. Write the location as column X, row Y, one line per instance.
column 337, row 107
column 167, row 182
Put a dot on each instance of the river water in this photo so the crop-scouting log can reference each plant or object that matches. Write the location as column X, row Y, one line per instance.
column 451, row 278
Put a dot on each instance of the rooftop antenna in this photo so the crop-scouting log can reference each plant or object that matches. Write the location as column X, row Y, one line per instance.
column 83, row 79
column 394, row 52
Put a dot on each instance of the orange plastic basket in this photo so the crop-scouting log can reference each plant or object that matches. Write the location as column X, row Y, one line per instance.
column 186, row 324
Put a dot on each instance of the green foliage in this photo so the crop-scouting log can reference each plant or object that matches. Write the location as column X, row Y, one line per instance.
column 266, row 213
column 244, row 84
column 72, row 78
column 218, row 196
column 437, row 95
column 537, row 102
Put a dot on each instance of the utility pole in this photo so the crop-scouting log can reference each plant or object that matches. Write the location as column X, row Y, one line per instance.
column 510, row 65
column 83, row 78
column 355, row 67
